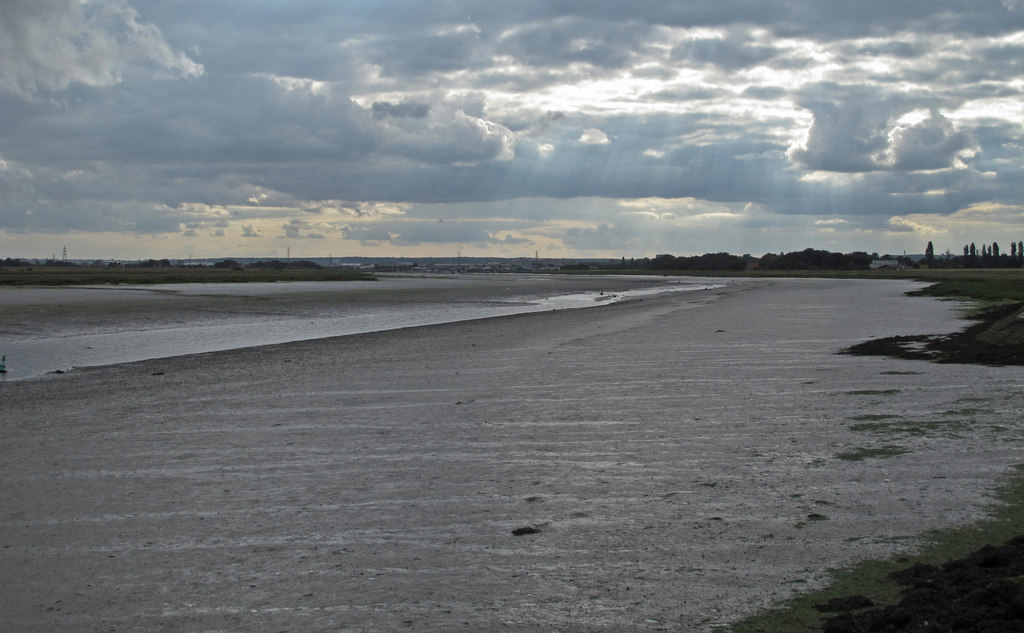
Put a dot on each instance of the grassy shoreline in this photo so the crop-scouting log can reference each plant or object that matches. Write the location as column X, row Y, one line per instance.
column 1003, row 289
column 89, row 276
column 872, row 578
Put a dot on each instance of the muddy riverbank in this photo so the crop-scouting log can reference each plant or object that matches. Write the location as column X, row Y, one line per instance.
column 666, row 464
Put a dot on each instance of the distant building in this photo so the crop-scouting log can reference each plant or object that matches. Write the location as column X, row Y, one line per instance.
column 886, row 263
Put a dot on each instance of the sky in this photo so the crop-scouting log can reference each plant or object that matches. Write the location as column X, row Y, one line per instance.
column 589, row 128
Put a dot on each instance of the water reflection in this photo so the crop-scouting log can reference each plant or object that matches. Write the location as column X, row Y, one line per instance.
column 104, row 326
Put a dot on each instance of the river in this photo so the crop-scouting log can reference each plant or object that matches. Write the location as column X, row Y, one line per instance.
column 47, row 330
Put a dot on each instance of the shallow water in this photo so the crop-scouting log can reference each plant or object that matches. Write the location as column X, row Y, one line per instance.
column 56, row 329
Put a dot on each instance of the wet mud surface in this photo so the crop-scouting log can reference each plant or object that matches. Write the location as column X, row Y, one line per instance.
column 667, row 464
column 981, row 593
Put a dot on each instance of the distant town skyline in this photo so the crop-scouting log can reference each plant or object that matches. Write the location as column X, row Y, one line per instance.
column 138, row 129
column 65, row 256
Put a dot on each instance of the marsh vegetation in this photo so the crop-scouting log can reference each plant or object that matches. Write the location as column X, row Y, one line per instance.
column 103, row 275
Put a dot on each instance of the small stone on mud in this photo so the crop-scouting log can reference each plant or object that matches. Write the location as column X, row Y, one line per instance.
column 523, row 531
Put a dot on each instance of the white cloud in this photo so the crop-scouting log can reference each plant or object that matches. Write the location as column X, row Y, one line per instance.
column 901, row 224
column 593, row 136
column 297, row 228
column 52, row 44
column 932, row 143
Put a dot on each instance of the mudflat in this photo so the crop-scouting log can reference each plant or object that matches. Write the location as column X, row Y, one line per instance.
column 667, row 464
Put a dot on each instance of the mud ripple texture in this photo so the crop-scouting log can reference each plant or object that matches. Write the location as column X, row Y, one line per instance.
column 678, row 463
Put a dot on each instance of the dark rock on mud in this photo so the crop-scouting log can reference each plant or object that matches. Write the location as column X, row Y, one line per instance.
column 523, row 531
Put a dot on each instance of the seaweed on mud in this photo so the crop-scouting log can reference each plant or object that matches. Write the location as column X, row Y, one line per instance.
column 947, row 428
column 968, row 412
column 978, row 344
column 980, row 593
column 811, row 518
column 866, row 452
column 875, row 417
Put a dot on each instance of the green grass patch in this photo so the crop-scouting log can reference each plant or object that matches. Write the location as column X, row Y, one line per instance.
column 976, row 280
column 871, row 452
column 871, row 577
column 874, row 417
column 992, row 287
column 946, row 428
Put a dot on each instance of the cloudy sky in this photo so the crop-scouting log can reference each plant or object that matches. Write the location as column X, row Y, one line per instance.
column 612, row 128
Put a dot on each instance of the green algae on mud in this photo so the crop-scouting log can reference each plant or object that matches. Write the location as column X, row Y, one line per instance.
column 994, row 341
column 874, row 579
column 915, row 428
column 996, row 304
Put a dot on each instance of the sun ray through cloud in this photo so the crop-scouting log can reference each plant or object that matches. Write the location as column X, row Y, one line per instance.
column 227, row 128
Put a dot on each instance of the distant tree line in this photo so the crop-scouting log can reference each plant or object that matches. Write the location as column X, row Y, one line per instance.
column 707, row 261
column 279, row 265
column 163, row 263
column 15, row 263
column 811, row 259
column 807, row 259
column 274, row 264
column 988, row 256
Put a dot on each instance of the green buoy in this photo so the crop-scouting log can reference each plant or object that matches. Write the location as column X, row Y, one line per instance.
column 3, row 365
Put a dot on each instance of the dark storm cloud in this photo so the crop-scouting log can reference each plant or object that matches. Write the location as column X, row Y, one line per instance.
column 412, row 109
column 419, row 53
column 573, row 39
column 725, row 53
column 893, row 48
